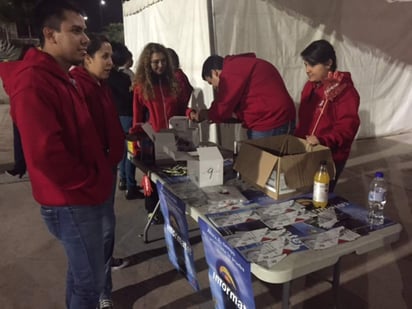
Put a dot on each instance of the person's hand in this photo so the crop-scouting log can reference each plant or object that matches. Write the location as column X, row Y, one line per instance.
column 202, row 115
column 312, row 140
column 193, row 115
column 132, row 130
column 333, row 85
column 136, row 128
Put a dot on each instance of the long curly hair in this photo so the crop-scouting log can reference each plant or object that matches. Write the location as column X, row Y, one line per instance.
column 145, row 78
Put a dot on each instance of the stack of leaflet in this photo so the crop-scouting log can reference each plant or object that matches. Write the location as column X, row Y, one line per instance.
column 266, row 234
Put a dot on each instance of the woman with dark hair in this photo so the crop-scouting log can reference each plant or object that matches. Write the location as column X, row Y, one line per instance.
column 328, row 112
column 91, row 80
column 184, row 84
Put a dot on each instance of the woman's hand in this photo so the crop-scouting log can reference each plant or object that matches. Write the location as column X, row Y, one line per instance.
column 312, row 140
column 333, row 85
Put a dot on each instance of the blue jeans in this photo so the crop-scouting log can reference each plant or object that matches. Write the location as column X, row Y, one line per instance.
column 287, row 128
column 127, row 169
column 108, row 229
column 79, row 229
column 87, row 235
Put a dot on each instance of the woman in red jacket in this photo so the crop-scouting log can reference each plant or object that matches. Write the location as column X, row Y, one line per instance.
column 157, row 97
column 157, row 94
column 91, row 80
column 328, row 112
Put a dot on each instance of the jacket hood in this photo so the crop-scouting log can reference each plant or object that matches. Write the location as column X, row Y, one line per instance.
column 80, row 74
column 10, row 72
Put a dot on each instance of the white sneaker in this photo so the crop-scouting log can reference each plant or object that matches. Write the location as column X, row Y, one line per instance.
column 118, row 263
column 105, row 304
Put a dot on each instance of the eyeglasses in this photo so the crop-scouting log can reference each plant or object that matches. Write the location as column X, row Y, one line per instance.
column 157, row 62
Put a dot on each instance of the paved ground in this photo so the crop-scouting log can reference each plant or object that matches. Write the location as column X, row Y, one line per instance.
column 32, row 264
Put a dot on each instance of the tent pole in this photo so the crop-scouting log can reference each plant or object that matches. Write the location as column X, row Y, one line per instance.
column 213, row 51
column 211, row 23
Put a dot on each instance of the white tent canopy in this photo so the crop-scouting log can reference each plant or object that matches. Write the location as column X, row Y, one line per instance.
column 372, row 39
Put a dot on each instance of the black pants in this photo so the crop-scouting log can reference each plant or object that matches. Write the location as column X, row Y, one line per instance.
column 19, row 161
column 339, row 168
column 151, row 201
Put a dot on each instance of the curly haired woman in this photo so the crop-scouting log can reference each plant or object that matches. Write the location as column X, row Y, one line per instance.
column 157, row 95
column 156, row 98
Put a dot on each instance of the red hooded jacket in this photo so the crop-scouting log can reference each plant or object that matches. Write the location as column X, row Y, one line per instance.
column 65, row 159
column 339, row 122
column 161, row 108
column 253, row 89
column 103, row 111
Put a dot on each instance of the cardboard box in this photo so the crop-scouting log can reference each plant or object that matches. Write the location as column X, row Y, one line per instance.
column 207, row 169
column 168, row 143
column 281, row 166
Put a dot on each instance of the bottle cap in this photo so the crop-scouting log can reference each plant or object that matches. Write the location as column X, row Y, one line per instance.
column 379, row 175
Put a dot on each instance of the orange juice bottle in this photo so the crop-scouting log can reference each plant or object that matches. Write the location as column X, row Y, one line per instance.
column 321, row 186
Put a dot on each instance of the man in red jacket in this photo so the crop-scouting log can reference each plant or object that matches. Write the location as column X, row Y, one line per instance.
column 251, row 91
column 69, row 168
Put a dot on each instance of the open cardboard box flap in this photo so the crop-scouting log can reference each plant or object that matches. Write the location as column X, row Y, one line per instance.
column 289, row 155
column 256, row 173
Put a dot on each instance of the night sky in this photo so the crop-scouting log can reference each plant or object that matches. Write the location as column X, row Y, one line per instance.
column 111, row 12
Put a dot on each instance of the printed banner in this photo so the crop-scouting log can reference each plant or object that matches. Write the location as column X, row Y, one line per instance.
column 229, row 273
column 177, row 235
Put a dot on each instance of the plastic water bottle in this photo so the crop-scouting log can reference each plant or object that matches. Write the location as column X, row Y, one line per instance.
column 377, row 199
column 321, row 186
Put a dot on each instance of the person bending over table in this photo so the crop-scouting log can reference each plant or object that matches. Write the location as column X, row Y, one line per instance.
column 249, row 90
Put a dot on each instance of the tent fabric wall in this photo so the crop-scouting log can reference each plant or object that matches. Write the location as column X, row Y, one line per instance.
column 372, row 39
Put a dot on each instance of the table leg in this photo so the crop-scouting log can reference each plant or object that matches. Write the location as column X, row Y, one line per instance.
column 149, row 222
column 285, row 295
column 335, row 283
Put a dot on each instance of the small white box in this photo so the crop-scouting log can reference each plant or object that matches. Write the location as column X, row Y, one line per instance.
column 207, row 170
column 179, row 123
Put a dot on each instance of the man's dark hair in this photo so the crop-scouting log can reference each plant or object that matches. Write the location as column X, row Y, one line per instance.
column 121, row 54
column 319, row 52
column 214, row 62
column 50, row 13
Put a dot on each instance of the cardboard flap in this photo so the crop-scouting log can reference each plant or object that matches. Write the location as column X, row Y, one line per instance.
column 280, row 145
column 292, row 167
column 258, row 173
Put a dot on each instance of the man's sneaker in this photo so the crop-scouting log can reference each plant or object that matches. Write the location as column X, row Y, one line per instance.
column 122, row 185
column 118, row 263
column 134, row 193
column 105, row 304
column 14, row 173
